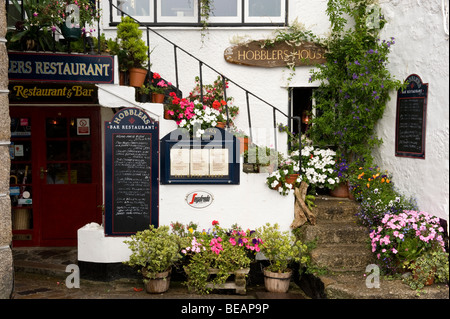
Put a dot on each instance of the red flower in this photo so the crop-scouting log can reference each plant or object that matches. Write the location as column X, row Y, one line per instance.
column 156, row 76
column 215, row 222
column 216, row 105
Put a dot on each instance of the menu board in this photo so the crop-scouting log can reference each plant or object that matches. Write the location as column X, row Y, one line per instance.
column 131, row 181
column 411, row 119
column 213, row 159
column 131, row 173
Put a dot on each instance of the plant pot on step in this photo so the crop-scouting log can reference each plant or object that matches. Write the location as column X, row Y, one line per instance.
column 137, row 76
column 159, row 284
column 167, row 116
column 221, row 124
column 277, row 282
column 158, row 97
column 340, row 191
column 70, row 34
column 244, row 141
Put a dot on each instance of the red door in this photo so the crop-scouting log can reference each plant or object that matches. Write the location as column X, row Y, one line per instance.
column 63, row 168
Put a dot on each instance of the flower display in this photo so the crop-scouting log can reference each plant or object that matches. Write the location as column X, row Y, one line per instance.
column 402, row 238
column 196, row 118
column 318, row 167
column 158, row 85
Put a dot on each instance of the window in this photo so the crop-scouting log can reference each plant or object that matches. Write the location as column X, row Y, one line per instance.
column 187, row 12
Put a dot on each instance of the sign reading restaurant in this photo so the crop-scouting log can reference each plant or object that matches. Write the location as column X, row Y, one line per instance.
column 49, row 67
column 256, row 53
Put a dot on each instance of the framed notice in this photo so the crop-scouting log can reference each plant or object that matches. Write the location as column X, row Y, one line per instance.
column 213, row 159
column 411, row 118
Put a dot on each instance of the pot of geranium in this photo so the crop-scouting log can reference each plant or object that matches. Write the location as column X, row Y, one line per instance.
column 154, row 251
column 158, row 87
column 281, row 249
column 130, row 40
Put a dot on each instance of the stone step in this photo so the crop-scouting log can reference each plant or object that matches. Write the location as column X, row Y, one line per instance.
column 334, row 208
column 342, row 257
column 335, row 232
column 357, row 285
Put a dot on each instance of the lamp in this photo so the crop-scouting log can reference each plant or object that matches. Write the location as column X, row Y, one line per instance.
column 88, row 43
column 305, row 117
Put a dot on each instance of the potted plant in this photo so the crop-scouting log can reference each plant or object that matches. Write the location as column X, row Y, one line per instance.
column 217, row 254
column 244, row 139
column 154, row 251
column 261, row 159
column 429, row 268
column 144, row 93
column 158, row 87
column 130, row 41
column 281, row 248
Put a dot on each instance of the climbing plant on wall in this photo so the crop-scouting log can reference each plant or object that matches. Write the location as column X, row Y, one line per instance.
column 354, row 82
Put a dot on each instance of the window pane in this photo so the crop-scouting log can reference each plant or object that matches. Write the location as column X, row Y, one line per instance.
column 180, row 8
column 80, row 173
column 56, row 127
column 80, row 150
column 57, row 174
column 264, row 8
column 20, row 127
column 224, row 8
column 134, row 7
column 56, row 150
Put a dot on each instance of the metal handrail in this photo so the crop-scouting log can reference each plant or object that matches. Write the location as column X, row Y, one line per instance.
column 224, row 79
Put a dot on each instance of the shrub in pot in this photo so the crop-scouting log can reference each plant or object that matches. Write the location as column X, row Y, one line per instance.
column 155, row 251
column 130, row 40
column 281, row 248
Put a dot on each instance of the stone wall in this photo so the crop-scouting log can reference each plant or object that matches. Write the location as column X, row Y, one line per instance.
column 6, row 268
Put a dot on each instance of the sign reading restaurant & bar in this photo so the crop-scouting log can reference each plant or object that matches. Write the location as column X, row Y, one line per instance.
column 55, row 67
column 256, row 53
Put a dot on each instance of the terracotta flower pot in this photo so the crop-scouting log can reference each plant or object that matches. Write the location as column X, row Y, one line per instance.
column 220, row 124
column 158, row 98
column 340, row 191
column 137, row 76
column 167, row 116
column 244, row 141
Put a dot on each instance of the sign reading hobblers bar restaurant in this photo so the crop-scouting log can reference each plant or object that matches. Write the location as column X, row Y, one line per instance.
column 68, row 68
column 131, row 172
column 256, row 53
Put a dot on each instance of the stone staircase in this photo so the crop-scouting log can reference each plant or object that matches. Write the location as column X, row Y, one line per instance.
column 342, row 249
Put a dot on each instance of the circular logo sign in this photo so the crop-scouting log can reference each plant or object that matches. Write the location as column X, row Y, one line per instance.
column 199, row 199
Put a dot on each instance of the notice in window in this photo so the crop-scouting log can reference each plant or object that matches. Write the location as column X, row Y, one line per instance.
column 199, row 162
column 179, row 162
column 218, row 162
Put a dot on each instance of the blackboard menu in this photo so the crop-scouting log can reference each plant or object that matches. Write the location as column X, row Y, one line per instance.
column 411, row 118
column 131, row 172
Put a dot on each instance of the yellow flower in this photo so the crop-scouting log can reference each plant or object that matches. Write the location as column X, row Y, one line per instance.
column 360, row 175
column 191, row 230
column 387, row 181
column 382, row 180
column 368, row 185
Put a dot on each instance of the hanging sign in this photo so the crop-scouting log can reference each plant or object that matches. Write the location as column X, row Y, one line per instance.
column 411, row 118
column 83, row 126
column 131, row 172
column 256, row 53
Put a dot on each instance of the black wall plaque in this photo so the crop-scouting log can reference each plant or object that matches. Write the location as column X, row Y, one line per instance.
column 131, row 172
column 411, row 118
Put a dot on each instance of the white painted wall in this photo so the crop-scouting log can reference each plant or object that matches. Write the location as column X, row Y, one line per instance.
column 421, row 48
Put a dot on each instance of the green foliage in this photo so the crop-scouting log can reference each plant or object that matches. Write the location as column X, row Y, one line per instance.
column 280, row 248
column 355, row 82
column 154, row 249
column 433, row 264
column 130, row 41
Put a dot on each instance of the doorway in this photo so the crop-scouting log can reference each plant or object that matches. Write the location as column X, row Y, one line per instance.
column 55, row 173
column 302, row 106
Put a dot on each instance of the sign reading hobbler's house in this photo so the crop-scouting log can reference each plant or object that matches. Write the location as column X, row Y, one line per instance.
column 411, row 118
column 49, row 67
column 256, row 53
column 131, row 172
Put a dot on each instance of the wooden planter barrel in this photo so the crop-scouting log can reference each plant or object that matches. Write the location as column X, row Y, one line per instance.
column 277, row 282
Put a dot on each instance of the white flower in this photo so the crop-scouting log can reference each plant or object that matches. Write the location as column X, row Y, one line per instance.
column 331, row 181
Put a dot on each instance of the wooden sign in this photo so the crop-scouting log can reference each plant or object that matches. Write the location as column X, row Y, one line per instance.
column 280, row 54
column 411, row 118
column 131, row 172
